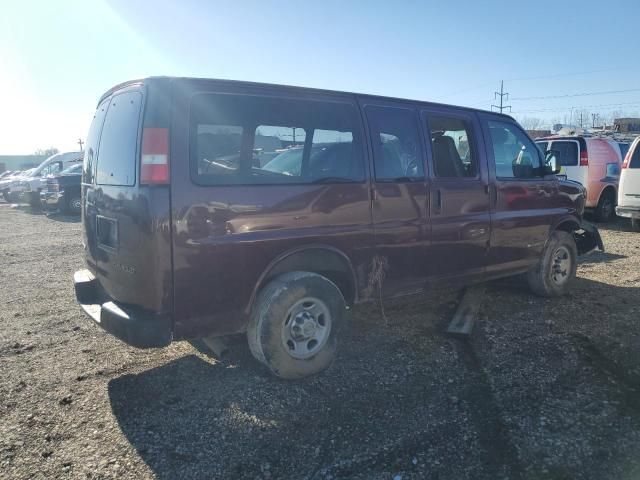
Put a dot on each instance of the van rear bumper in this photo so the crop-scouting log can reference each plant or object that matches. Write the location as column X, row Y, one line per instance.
column 137, row 327
column 628, row 212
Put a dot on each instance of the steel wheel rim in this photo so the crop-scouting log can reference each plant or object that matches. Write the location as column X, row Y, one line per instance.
column 76, row 204
column 561, row 265
column 306, row 328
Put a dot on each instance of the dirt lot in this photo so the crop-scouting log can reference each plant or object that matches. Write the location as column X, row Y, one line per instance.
column 544, row 389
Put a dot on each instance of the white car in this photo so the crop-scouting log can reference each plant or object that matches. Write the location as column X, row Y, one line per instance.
column 27, row 189
column 629, row 190
column 6, row 183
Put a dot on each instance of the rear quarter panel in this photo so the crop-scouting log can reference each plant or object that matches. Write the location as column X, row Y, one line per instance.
column 224, row 237
column 601, row 153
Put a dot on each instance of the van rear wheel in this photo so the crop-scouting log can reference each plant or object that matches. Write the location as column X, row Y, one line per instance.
column 606, row 208
column 295, row 324
column 554, row 273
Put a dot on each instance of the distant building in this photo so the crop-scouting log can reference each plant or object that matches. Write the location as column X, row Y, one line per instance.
column 21, row 162
column 538, row 133
column 627, row 125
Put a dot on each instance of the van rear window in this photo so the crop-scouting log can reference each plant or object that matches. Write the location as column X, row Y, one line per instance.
column 93, row 137
column 567, row 154
column 117, row 153
column 246, row 139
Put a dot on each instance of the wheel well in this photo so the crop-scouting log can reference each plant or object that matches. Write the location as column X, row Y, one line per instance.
column 608, row 190
column 324, row 261
column 568, row 226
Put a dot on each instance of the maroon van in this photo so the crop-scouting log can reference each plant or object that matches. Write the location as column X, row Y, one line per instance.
column 216, row 207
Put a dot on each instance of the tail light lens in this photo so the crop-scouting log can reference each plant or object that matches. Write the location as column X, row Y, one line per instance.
column 584, row 158
column 154, row 161
column 627, row 159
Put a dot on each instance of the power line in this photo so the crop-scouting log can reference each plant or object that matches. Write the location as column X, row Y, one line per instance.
column 585, row 94
column 578, row 106
column 502, row 95
column 538, row 77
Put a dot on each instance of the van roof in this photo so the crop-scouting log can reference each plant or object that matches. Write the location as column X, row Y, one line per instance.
column 145, row 80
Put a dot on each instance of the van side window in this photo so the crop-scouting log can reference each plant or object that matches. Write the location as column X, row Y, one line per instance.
column 219, row 148
column 396, row 144
column 279, row 149
column 116, row 164
column 93, row 137
column 516, row 156
column 452, row 147
column 254, row 140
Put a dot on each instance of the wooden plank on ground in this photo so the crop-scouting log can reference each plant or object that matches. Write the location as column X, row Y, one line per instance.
column 467, row 312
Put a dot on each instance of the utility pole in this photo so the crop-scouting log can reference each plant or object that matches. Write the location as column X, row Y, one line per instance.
column 580, row 120
column 502, row 96
column 80, row 142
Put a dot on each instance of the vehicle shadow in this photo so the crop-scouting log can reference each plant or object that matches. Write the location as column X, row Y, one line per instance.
column 400, row 390
column 61, row 217
column 52, row 215
column 27, row 209
column 600, row 257
column 197, row 417
column 617, row 224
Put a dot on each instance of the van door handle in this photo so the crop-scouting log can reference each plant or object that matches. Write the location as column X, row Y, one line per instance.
column 438, row 201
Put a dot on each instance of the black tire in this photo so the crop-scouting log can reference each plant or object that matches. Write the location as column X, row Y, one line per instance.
column 552, row 276
column 274, row 317
column 34, row 200
column 635, row 224
column 73, row 205
column 606, row 208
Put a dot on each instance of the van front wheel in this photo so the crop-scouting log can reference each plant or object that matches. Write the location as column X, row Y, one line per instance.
column 554, row 273
column 295, row 323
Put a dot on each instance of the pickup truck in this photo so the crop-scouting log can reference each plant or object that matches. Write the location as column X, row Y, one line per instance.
column 62, row 191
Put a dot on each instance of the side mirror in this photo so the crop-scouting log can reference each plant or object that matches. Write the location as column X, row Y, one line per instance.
column 551, row 163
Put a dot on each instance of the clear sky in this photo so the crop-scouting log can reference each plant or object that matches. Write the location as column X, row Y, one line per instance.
column 58, row 57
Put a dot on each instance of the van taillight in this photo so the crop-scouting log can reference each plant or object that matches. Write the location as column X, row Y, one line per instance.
column 584, row 158
column 627, row 159
column 154, row 164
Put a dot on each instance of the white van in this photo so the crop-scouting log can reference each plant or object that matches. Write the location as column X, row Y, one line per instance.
column 595, row 162
column 629, row 191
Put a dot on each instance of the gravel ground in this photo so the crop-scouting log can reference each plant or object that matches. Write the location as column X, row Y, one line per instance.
column 543, row 389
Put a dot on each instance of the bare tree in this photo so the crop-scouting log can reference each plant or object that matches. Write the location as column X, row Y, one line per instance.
column 530, row 123
column 582, row 117
column 46, row 152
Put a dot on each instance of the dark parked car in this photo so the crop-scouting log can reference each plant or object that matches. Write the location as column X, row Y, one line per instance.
column 190, row 230
column 62, row 191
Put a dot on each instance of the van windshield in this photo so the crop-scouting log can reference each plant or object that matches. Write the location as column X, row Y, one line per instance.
column 40, row 168
column 77, row 168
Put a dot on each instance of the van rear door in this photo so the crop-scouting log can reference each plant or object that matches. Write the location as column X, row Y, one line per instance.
column 124, row 242
column 568, row 158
